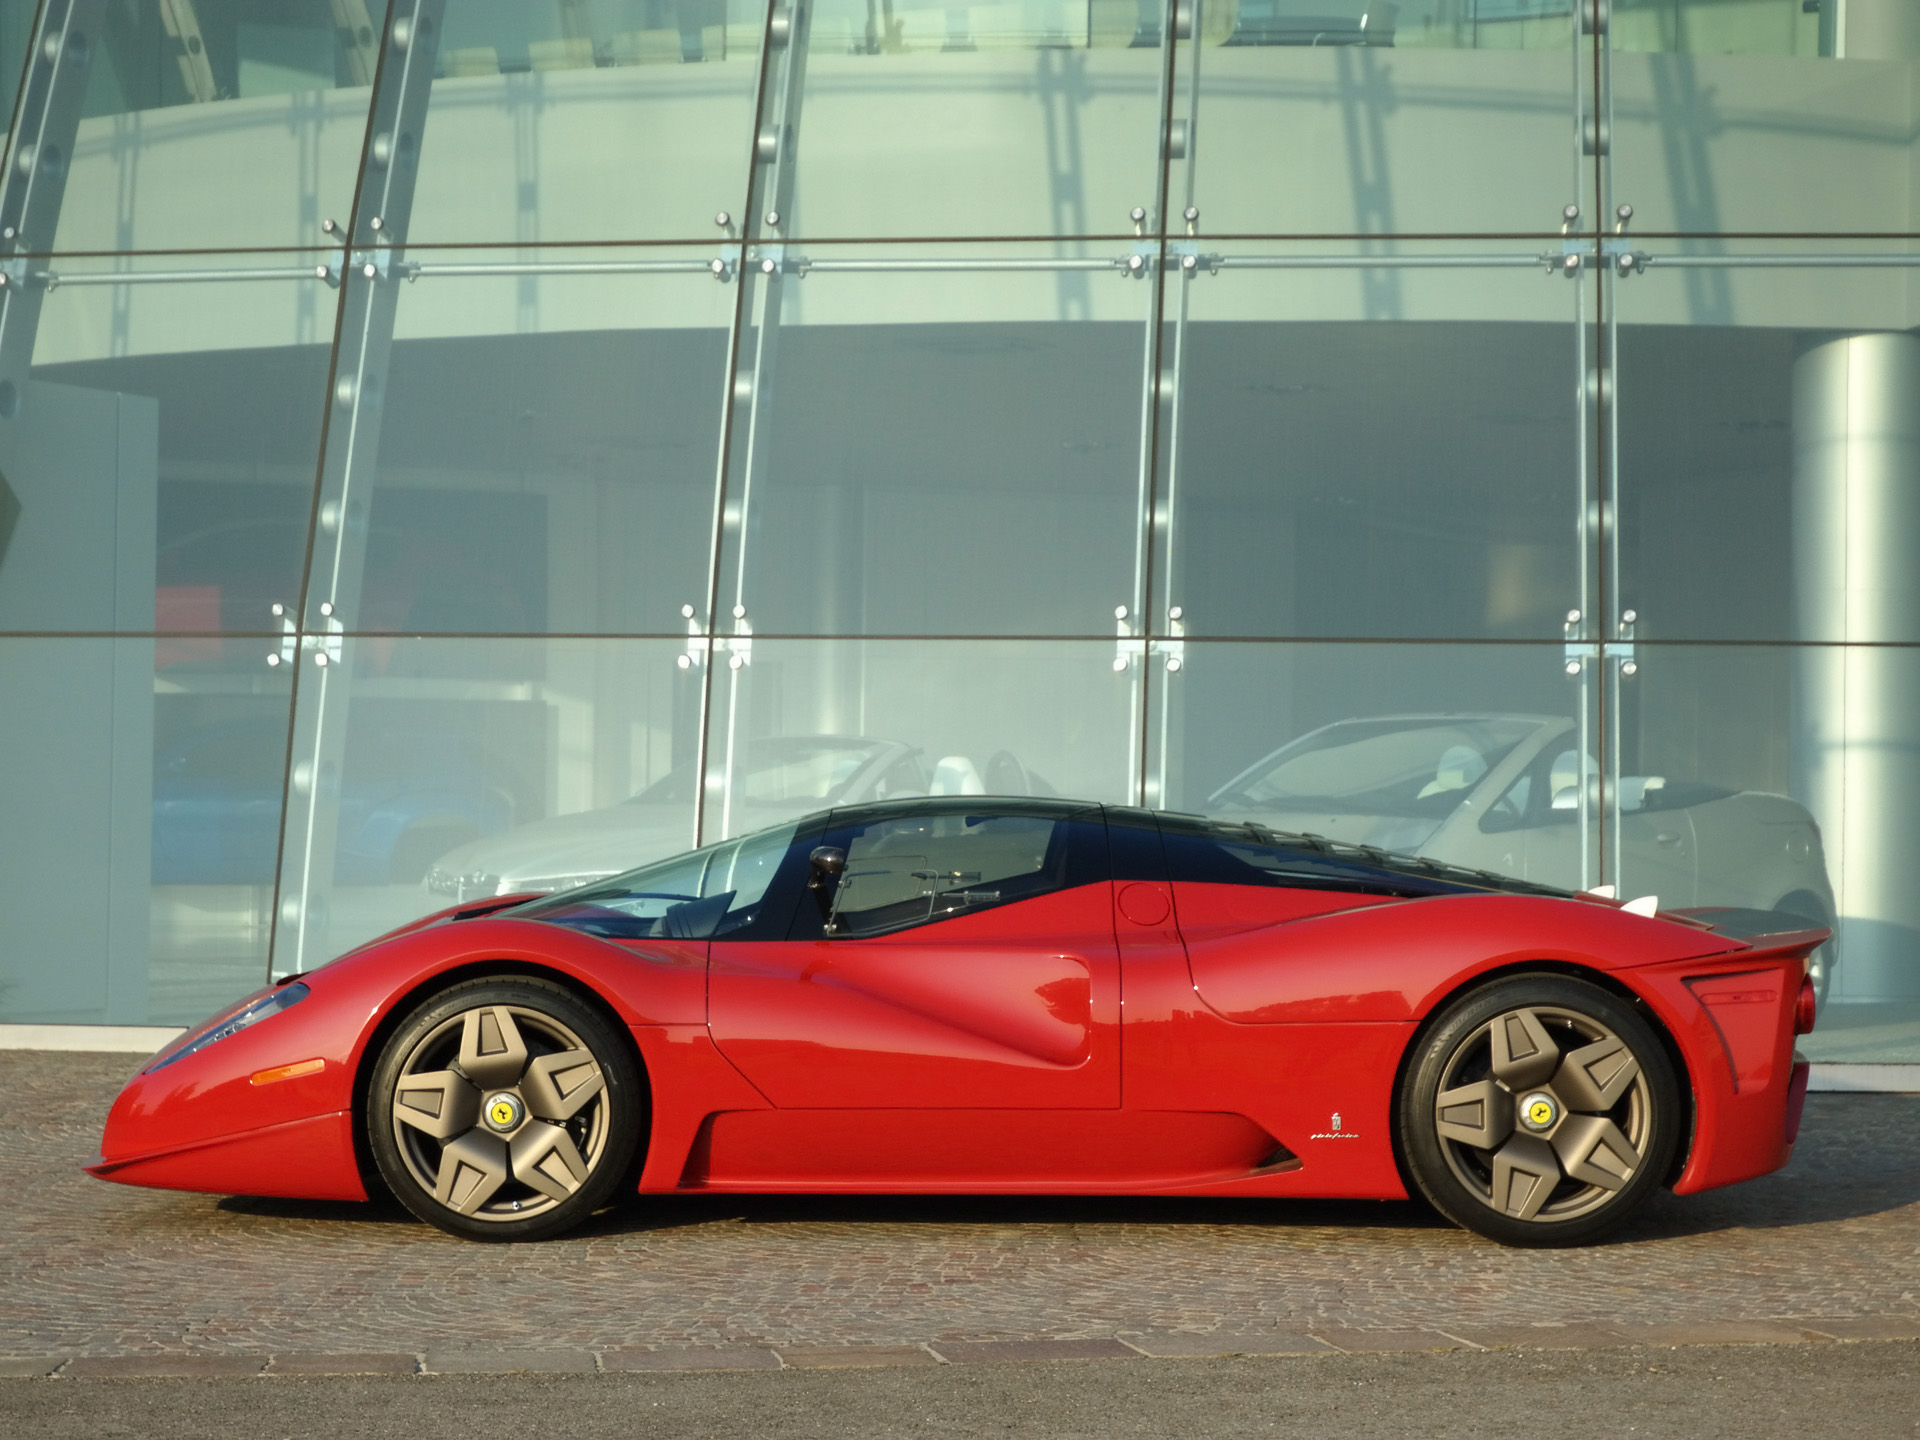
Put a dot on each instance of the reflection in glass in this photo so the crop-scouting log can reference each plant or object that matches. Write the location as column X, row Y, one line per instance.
column 976, row 717
column 943, row 453
column 547, row 444
column 220, row 122
column 1350, row 117
column 1032, row 118
column 482, row 767
column 183, row 421
column 557, row 120
column 1467, row 755
column 1365, row 451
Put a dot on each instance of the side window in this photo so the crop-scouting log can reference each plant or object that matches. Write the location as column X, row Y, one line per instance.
column 1220, row 853
column 907, row 870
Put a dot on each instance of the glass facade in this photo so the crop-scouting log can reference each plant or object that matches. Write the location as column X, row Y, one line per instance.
column 457, row 446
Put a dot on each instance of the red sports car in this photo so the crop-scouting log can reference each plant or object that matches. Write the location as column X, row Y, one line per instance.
column 1005, row 996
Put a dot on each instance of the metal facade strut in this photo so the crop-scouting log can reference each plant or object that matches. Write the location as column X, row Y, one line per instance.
column 46, row 118
column 368, row 273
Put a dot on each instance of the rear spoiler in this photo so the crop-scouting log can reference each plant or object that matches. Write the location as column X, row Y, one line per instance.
column 1760, row 929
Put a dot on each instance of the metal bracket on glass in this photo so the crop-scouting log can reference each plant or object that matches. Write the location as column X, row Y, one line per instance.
column 1186, row 254
column 1569, row 259
column 326, row 647
column 1131, row 649
column 1621, row 651
column 1623, row 258
column 739, row 645
column 720, row 268
column 377, row 264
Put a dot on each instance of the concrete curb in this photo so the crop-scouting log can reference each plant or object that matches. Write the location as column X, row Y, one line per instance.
column 1813, row 1330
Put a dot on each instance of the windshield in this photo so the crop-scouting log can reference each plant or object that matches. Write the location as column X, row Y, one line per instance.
column 691, row 897
column 1412, row 768
column 803, row 769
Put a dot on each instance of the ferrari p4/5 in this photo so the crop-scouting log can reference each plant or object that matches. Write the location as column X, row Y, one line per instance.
column 1005, row 995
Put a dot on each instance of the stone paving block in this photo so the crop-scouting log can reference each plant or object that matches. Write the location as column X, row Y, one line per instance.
column 1538, row 1337
column 847, row 1357
column 508, row 1362
column 1715, row 1332
column 146, row 1367
column 1868, row 1327
column 990, row 1352
column 30, row 1367
column 1174, row 1344
column 343, row 1365
column 1371, row 1342
column 712, row 1357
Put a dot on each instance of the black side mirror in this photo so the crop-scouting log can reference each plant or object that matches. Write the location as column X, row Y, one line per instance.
column 827, row 862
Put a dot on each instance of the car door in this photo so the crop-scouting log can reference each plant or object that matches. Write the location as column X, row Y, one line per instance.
column 963, row 959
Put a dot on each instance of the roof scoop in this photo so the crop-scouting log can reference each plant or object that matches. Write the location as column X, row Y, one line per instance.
column 1644, row 905
column 1605, row 892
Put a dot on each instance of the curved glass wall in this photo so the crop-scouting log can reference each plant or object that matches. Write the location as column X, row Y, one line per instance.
column 449, row 447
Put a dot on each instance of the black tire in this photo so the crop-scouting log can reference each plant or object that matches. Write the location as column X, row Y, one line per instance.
column 1566, row 1168
column 505, row 1109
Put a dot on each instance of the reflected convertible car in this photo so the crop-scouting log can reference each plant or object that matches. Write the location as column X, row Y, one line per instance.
column 1500, row 792
column 776, row 778
column 924, row 996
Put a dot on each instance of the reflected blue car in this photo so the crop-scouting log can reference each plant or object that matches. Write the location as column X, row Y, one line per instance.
column 409, row 797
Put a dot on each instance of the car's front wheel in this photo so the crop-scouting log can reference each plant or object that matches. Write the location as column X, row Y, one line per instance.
column 1539, row 1110
column 504, row 1109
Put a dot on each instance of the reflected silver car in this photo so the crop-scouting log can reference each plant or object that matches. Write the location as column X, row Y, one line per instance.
column 1501, row 793
column 774, row 778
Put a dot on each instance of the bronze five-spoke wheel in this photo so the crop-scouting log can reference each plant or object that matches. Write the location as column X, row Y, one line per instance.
column 504, row 1110
column 1540, row 1110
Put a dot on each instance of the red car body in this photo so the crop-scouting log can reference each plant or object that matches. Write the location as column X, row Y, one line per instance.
column 1118, row 1036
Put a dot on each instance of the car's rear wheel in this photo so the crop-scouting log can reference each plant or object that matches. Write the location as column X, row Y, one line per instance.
column 504, row 1109
column 1539, row 1110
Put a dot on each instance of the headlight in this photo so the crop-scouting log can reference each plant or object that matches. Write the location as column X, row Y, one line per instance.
column 250, row 1012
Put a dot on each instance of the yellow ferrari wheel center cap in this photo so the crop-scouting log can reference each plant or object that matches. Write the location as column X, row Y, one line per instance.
column 1538, row 1111
column 505, row 1112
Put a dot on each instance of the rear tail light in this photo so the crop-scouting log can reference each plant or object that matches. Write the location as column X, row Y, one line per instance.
column 1804, row 1007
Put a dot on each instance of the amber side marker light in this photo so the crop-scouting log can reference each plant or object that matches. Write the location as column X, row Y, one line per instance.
column 1804, row 1006
column 288, row 1072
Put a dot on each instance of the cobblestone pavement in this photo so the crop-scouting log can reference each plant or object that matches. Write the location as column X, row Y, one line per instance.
column 1829, row 1247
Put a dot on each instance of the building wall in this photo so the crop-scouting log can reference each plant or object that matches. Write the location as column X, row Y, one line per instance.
column 1120, row 396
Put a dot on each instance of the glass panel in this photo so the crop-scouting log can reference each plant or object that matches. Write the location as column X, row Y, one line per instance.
column 163, row 456
column 1461, row 753
column 924, row 717
column 221, row 122
column 1726, row 27
column 1370, row 448
column 547, row 445
column 610, row 119
column 1791, row 784
column 1747, row 129
column 16, row 31
column 1348, row 117
column 937, row 443
column 143, row 811
column 1035, row 117
column 1766, row 435
column 469, row 768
